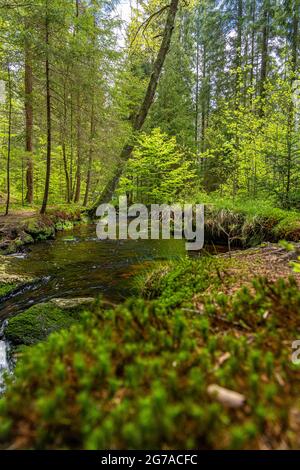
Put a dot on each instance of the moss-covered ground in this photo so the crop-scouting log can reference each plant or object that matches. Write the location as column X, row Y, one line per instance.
column 144, row 374
column 6, row 288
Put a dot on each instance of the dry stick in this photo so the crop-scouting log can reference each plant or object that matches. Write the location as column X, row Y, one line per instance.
column 146, row 23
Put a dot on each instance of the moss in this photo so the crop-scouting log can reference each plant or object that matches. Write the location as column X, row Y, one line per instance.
column 40, row 229
column 177, row 282
column 6, row 288
column 37, row 323
column 137, row 376
column 249, row 224
column 288, row 228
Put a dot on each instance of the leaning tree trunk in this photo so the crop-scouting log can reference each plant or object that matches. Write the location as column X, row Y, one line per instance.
column 141, row 116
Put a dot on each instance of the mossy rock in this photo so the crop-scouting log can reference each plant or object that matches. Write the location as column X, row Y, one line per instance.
column 36, row 323
column 6, row 288
column 8, row 247
column 40, row 230
column 288, row 229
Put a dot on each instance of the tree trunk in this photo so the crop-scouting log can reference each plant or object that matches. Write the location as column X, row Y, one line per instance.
column 63, row 146
column 49, row 123
column 203, row 101
column 90, row 162
column 141, row 116
column 71, row 148
column 78, row 172
column 291, row 111
column 238, row 50
column 9, row 139
column 28, row 119
column 197, row 81
column 264, row 54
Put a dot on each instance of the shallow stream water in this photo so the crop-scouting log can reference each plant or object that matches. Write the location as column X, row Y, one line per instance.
column 77, row 264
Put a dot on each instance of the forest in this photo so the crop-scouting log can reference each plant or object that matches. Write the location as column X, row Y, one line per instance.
column 142, row 345
column 228, row 98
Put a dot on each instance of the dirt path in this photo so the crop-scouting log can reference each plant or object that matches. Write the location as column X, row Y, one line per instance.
column 16, row 217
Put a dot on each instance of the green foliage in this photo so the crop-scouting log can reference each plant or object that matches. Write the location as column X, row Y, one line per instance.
column 290, row 247
column 6, row 288
column 136, row 377
column 158, row 171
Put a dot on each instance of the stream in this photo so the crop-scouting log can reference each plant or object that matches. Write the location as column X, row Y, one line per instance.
column 77, row 264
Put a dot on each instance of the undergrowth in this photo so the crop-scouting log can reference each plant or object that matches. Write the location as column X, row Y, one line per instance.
column 137, row 376
column 248, row 223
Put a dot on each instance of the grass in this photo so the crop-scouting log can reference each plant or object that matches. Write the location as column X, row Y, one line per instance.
column 249, row 223
column 137, row 376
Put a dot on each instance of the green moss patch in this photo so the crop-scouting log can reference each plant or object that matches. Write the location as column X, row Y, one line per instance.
column 140, row 376
column 6, row 288
column 38, row 322
column 40, row 228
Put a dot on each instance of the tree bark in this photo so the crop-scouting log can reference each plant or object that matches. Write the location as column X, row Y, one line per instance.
column 90, row 162
column 49, row 117
column 264, row 53
column 141, row 116
column 28, row 119
column 78, row 172
column 63, row 145
column 291, row 110
column 197, row 80
column 9, row 139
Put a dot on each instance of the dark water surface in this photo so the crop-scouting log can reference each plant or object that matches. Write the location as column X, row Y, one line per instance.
column 77, row 264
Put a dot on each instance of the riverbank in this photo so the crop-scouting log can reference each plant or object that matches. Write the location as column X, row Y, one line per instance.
column 201, row 359
column 236, row 224
column 24, row 227
column 247, row 224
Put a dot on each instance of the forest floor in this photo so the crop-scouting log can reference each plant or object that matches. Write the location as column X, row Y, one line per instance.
column 270, row 260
